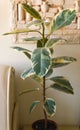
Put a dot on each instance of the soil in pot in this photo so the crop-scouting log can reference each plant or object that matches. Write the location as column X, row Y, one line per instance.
column 39, row 125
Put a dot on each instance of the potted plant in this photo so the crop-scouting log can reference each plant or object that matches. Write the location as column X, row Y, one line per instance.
column 43, row 61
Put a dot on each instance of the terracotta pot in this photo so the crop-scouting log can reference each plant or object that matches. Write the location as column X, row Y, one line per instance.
column 39, row 125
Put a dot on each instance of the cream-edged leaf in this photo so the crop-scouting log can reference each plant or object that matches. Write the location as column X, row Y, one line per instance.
column 41, row 61
column 34, row 13
column 23, row 50
column 37, row 22
column 27, row 73
column 32, row 39
column 51, row 42
column 63, row 19
column 61, row 84
column 28, row 91
column 34, row 105
column 62, row 61
column 50, row 106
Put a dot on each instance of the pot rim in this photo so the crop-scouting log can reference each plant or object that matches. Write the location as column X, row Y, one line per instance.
column 35, row 122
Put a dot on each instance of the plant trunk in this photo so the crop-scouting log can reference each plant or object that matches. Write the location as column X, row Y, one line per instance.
column 44, row 98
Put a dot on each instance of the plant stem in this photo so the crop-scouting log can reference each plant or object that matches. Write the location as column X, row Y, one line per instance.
column 43, row 34
column 44, row 98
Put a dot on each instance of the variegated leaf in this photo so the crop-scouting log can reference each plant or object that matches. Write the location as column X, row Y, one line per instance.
column 31, row 11
column 34, row 105
column 17, row 31
column 62, row 84
column 23, row 50
column 28, row 91
column 50, row 106
column 32, row 39
column 27, row 73
column 35, row 22
column 64, row 18
column 62, row 61
column 52, row 42
column 41, row 61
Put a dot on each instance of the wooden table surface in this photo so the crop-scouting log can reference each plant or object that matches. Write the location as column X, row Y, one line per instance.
column 28, row 127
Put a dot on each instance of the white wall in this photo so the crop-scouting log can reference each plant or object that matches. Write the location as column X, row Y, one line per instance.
column 68, row 106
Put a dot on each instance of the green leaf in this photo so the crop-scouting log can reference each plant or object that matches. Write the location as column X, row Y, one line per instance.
column 27, row 54
column 23, row 50
column 64, row 18
column 31, row 11
column 35, row 22
column 27, row 73
column 33, row 105
column 41, row 61
column 17, row 31
column 50, row 71
column 62, row 61
column 32, row 39
column 40, row 42
column 50, row 106
column 62, row 84
column 28, row 91
column 52, row 42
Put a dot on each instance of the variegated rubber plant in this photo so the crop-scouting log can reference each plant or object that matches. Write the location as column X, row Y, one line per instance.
column 42, row 59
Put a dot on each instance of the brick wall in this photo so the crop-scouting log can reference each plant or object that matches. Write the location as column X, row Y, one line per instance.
column 47, row 9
